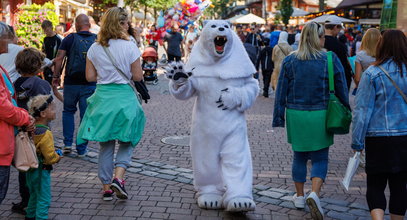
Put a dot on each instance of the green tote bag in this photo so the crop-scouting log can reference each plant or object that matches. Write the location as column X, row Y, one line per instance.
column 338, row 117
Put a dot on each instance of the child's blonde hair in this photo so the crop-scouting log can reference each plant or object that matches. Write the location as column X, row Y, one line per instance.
column 39, row 103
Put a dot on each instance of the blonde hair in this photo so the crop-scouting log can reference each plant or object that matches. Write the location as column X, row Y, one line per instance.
column 370, row 40
column 309, row 45
column 111, row 28
column 36, row 102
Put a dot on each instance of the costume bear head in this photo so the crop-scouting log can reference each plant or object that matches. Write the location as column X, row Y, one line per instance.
column 219, row 52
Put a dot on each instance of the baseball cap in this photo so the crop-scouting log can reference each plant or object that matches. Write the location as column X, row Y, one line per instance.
column 333, row 19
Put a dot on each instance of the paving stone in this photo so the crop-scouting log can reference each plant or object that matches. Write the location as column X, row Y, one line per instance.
column 149, row 173
column 271, row 194
column 136, row 165
column 186, row 175
column 281, row 190
column 261, row 187
column 287, row 198
column 336, row 208
column 335, row 201
column 154, row 169
column 169, row 172
column 143, row 161
column 134, row 170
column 165, row 176
column 359, row 206
column 359, row 212
column 287, row 204
column 155, row 164
column 183, row 170
column 340, row 216
column 167, row 166
column 268, row 200
column 183, row 180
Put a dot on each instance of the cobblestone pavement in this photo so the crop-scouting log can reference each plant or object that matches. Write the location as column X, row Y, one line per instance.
column 160, row 179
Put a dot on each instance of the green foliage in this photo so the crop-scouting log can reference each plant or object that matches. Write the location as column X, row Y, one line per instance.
column 286, row 10
column 220, row 8
column 29, row 19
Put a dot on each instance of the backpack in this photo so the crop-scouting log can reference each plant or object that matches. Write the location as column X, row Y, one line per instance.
column 76, row 65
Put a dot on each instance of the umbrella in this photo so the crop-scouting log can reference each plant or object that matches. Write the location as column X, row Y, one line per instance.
column 247, row 19
column 321, row 19
column 353, row 165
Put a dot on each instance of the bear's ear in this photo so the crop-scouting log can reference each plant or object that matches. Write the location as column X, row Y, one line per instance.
column 205, row 22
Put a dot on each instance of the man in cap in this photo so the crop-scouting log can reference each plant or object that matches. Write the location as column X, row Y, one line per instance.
column 333, row 25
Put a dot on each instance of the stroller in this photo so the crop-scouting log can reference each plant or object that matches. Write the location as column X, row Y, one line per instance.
column 149, row 65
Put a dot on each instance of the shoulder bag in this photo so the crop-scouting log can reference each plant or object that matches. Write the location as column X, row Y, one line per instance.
column 338, row 117
column 122, row 74
column 394, row 83
column 25, row 156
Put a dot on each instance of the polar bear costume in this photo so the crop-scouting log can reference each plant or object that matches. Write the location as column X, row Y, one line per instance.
column 223, row 84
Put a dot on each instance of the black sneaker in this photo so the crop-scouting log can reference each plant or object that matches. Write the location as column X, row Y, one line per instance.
column 108, row 195
column 266, row 94
column 19, row 208
column 118, row 187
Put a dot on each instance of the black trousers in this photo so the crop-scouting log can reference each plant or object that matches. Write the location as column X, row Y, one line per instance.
column 23, row 189
column 266, row 79
column 173, row 58
column 376, row 184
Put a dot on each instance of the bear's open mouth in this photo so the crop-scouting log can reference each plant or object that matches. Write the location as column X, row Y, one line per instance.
column 220, row 42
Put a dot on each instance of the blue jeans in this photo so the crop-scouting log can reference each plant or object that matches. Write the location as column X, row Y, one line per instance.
column 319, row 161
column 74, row 94
column 106, row 157
column 4, row 178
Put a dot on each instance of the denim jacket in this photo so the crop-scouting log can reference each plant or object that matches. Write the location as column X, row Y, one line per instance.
column 380, row 110
column 304, row 85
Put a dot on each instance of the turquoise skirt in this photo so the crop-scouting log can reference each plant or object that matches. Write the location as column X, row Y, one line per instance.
column 306, row 130
column 113, row 113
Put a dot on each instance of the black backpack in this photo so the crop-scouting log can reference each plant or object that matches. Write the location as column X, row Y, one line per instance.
column 76, row 66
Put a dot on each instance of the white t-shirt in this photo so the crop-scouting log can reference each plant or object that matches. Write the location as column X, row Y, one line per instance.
column 191, row 36
column 124, row 52
column 7, row 60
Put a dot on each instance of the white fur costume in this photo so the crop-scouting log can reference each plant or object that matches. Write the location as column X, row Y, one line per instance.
column 224, row 87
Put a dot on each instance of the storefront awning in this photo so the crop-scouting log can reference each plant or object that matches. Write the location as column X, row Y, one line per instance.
column 78, row 4
column 247, row 19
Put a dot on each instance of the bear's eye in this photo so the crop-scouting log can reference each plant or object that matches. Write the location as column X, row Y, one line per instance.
column 226, row 26
column 213, row 26
column 172, row 71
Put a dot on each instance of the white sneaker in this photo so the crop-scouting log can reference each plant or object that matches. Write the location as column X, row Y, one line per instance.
column 299, row 201
column 317, row 213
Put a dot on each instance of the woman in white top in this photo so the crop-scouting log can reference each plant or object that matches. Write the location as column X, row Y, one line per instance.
column 366, row 56
column 113, row 112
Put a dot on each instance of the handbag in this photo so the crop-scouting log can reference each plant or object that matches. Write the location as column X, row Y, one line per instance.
column 394, row 84
column 351, row 169
column 122, row 74
column 25, row 156
column 142, row 89
column 338, row 117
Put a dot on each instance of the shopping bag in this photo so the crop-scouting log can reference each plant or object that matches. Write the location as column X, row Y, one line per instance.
column 353, row 165
column 25, row 156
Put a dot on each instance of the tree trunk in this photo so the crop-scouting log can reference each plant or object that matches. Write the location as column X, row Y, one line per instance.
column 155, row 15
column 145, row 15
column 321, row 5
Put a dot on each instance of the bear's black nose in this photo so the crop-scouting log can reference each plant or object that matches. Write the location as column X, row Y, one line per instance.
column 221, row 29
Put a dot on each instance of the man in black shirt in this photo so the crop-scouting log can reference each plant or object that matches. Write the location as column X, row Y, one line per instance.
column 333, row 26
column 50, row 46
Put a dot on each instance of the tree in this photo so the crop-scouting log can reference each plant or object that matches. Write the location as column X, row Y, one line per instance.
column 321, row 5
column 219, row 9
column 29, row 20
column 286, row 10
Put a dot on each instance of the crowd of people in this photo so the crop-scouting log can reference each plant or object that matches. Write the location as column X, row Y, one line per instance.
column 294, row 61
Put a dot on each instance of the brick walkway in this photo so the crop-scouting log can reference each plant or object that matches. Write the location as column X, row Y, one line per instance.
column 159, row 181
